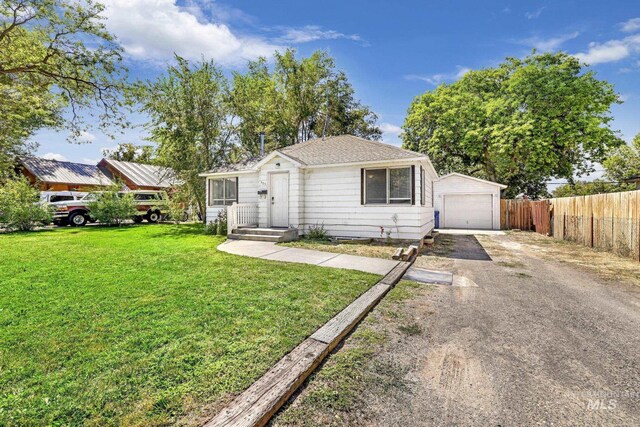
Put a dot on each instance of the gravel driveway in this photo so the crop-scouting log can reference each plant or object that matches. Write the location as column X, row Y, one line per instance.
column 539, row 340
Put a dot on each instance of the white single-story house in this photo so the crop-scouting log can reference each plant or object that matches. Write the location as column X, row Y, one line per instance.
column 466, row 202
column 351, row 186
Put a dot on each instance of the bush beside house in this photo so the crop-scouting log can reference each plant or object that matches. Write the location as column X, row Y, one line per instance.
column 19, row 207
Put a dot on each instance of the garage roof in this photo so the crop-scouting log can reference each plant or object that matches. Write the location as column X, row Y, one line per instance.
column 54, row 171
column 143, row 175
column 502, row 186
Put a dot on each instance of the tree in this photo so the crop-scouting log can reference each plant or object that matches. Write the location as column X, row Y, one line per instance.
column 586, row 188
column 519, row 123
column 298, row 100
column 128, row 152
column 55, row 57
column 624, row 162
column 19, row 207
column 189, row 121
column 112, row 207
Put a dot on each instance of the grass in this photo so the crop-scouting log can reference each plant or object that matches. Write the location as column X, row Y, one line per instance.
column 146, row 325
column 373, row 249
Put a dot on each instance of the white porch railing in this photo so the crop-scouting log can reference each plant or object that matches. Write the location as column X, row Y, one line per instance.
column 241, row 215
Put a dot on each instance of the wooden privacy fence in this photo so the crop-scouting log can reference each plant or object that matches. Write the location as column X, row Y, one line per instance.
column 525, row 215
column 609, row 222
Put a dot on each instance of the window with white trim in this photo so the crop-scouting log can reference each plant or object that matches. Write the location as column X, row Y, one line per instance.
column 388, row 186
column 223, row 191
column 423, row 187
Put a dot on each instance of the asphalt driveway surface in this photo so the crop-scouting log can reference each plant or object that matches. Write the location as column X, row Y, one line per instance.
column 536, row 341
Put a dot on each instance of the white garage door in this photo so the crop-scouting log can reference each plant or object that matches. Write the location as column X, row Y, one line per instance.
column 468, row 211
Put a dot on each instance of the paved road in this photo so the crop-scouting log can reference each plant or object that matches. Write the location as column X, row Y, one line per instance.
column 537, row 342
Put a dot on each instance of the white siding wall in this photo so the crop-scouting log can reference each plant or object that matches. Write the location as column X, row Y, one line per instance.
column 331, row 197
column 247, row 193
column 295, row 191
column 462, row 185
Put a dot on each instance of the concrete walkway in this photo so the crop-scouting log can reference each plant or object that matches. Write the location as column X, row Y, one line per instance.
column 458, row 231
column 271, row 251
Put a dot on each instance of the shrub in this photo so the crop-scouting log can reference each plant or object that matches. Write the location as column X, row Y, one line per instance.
column 211, row 228
column 317, row 232
column 176, row 208
column 113, row 207
column 19, row 207
column 221, row 221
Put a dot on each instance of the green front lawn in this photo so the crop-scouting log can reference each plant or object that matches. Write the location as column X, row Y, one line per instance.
column 146, row 325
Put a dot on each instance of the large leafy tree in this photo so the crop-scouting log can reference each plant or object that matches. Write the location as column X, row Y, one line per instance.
column 585, row 188
column 296, row 100
column 519, row 123
column 128, row 152
column 624, row 162
column 57, row 64
column 189, row 121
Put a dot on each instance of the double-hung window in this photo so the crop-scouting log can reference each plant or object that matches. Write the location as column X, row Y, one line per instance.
column 388, row 186
column 223, row 192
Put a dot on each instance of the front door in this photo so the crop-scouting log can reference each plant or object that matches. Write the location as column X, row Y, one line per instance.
column 279, row 193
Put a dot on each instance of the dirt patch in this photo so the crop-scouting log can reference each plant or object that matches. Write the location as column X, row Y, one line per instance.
column 363, row 378
column 457, row 376
column 606, row 265
column 372, row 249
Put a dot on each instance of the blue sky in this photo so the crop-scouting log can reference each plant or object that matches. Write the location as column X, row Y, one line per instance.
column 391, row 50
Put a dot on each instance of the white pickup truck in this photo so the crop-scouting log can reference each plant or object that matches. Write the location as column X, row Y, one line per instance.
column 151, row 206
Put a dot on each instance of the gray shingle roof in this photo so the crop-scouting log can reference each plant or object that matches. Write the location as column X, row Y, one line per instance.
column 144, row 175
column 330, row 151
column 244, row 165
column 65, row 172
column 345, row 149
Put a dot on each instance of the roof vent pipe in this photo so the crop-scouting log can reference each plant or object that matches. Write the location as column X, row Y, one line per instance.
column 261, row 144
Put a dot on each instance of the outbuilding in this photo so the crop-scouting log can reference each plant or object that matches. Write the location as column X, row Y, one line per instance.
column 466, row 202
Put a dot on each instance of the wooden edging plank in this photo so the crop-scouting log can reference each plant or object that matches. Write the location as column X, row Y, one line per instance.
column 257, row 404
column 336, row 328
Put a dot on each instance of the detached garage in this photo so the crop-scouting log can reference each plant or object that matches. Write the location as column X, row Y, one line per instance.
column 466, row 202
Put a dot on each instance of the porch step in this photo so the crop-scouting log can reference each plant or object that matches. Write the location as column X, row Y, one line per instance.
column 264, row 234
column 257, row 237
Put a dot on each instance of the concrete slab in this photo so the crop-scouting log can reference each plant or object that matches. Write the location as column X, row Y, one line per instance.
column 469, row 232
column 250, row 248
column 273, row 252
column 422, row 275
column 304, row 256
column 361, row 263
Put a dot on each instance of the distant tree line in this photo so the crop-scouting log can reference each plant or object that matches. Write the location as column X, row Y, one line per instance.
column 621, row 165
column 519, row 123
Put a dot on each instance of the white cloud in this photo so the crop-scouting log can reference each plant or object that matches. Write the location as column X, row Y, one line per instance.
column 535, row 14
column 86, row 136
column 55, row 156
column 631, row 25
column 390, row 128
column 155, row 29
column 436, row 79
column 610, row 51
column 311, row 33
column 552, row 43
